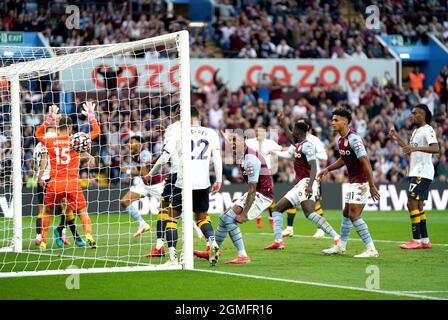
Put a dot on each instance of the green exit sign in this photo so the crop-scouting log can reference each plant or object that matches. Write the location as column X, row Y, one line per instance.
column 11, row 37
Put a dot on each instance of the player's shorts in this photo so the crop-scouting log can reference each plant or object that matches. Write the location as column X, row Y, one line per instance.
column 297, row 194
column 260, row 204
column 55, row 191
column 418, row 188
column 201, row 200
column 153, row 190
column 357, row 193
column 170, row 181
column 41, row 192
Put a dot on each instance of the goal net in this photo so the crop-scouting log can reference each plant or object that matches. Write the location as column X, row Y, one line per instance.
column 138, row 89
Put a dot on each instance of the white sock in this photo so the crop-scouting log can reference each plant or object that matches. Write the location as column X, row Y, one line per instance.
column 371, row 246
column 343, row 244
column 278, row 240
column 172, row 252
column 418, row 240
column 242, row 253
column 38, row 237
column 425, row 240
column 143, row 224
column 64, row 231
column 289, row 228
column 159, row 244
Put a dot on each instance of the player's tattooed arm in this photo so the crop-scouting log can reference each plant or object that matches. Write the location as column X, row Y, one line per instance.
column 249, row 201
column 334, row 166
column 365, row 164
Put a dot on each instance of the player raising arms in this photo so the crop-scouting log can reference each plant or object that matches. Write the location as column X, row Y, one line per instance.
column 354, row 156
column 305, row 191
column 143, row 185
column 259, row 197
column 41, row 162
column 204, row 144
column 422, row 145
column 64, row 162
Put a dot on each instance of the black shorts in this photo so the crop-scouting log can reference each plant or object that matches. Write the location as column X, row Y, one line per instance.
column 419, row 188
column 41, row 192
column 200, row 200
column 168, row 190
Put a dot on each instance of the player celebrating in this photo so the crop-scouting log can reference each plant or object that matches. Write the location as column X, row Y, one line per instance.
column 205, row 143
column 143, row 185
column 64, row 162
column 305, row 191
column 259, row 197
column 40, row 156
column 354, row 156
column 422, row 145
column 267, row 148
column 321, row 154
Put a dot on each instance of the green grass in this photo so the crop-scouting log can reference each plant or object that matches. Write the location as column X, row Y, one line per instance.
column 400, row 271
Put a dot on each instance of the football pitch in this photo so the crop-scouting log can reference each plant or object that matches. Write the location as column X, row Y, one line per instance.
column 300, row 271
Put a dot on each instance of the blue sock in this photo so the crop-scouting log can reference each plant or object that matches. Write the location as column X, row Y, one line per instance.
column 278, row 225
column 322, row 223
column 234, row 230
column 134, row 214
column 221, row 230
column 363, row 231
column 346, row 227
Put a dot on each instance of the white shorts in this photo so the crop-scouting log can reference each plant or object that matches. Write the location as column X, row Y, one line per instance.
column 297, row 194
column 260, row 204
column 357, row 193
column 152, row 191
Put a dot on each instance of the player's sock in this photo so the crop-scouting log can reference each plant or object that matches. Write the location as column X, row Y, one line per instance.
column 423, row 229
column 72, row 225
column 38, row 225
column 221, row 230
column 291, row 217
column 235, row 232
column 416, row 225
column 318, row 209
column 363, row 232
column 206, row 227
column 346, row 227
column 134, row 214
column 162, row 219
column 46, row 220
column 172, row 236
column 86, row 223
column 322, row 223
column 278, row 225
column 61, row 225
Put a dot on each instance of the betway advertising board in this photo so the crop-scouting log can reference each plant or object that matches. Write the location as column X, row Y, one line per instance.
column 105, row 200
column 163, row 74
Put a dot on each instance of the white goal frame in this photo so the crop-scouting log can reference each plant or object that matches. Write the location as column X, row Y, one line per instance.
column 34, row 68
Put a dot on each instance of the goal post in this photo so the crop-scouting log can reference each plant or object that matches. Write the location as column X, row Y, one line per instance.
column 136, row 87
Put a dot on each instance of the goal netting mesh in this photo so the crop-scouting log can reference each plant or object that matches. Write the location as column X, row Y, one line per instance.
column 138, row 88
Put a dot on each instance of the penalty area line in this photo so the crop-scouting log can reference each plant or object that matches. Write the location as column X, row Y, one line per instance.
column 320, row 284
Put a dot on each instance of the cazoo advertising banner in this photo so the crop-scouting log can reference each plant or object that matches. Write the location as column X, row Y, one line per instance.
column 149, row 74
column 104, row 200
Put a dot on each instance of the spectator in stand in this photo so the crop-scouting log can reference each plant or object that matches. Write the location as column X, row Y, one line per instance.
column 284, row 50
column 416, row 79
column 247, row 52
column 359, row 54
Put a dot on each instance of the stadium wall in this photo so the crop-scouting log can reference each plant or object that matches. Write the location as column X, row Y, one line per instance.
column 393, row 197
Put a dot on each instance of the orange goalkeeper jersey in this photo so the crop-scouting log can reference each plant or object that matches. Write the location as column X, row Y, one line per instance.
column 64, row 161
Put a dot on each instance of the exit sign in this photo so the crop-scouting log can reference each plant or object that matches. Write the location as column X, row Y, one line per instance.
column 11, row 37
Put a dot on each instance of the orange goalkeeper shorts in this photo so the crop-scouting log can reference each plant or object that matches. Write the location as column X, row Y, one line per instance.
column 58, row 190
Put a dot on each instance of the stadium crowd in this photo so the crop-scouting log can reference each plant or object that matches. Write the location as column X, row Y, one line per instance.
column 266, row 29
